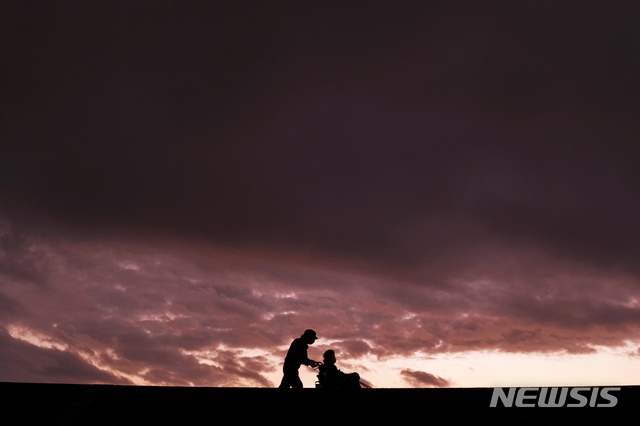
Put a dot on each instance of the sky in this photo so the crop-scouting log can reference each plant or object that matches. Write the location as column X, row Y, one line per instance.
column 447, row 192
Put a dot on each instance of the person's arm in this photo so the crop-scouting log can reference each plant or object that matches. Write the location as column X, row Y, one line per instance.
column 302, row 356
column 310, row 362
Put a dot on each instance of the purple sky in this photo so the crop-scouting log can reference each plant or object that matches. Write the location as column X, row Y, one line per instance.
column 186, row 187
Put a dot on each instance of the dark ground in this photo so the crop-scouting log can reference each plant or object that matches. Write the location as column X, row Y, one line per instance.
column 43, row 404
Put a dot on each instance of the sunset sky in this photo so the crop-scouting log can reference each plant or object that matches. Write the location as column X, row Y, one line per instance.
column 447, row 192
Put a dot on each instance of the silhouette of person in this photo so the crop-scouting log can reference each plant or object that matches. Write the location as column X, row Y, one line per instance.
column 332, row 378
column 296, row 356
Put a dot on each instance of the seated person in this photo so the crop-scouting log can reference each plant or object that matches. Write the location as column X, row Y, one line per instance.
column 332, row 378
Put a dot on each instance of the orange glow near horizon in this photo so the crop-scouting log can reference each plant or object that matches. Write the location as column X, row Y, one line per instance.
column 490, row 369
column 606, row 366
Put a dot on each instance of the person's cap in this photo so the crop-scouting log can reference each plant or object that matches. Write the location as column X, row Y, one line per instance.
column 311, row 334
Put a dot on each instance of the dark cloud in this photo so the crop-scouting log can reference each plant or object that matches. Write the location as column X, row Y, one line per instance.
column 328, row 127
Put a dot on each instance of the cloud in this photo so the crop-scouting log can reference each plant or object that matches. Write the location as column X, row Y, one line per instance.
column 26, row 362
column 424, row 379
column 192, row 314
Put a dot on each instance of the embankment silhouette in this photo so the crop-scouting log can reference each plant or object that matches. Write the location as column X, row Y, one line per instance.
column 138, row 405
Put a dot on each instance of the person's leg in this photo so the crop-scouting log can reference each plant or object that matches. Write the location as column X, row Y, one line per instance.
column 296, row 383
column 291, row 379
column 284, row 383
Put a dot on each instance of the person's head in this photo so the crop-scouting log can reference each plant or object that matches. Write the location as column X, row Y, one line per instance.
column 310, row 336
column 329, row 357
